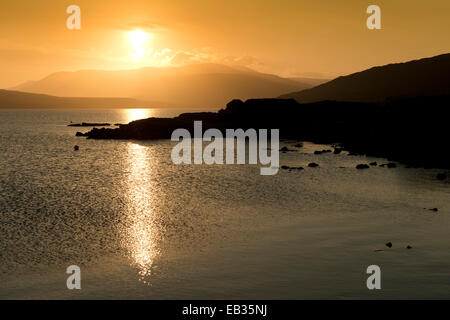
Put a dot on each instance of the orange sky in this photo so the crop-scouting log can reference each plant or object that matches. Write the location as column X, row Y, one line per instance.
column 288, row 37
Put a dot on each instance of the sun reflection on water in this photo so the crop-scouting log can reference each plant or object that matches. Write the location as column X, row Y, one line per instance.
column 136, row 114
column 142, row 234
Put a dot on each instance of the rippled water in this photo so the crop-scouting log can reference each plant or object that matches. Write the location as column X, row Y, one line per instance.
column 141, row 227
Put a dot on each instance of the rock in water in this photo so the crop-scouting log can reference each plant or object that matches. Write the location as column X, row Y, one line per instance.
column 322, row 151
column 389, row 244
column 285, row 149
column 362, row 166
column 374, row 164
column 313, row 165
column 76, row 148
column 441, row 176
column 391, row 165
column 408, row 247
column 88, row 124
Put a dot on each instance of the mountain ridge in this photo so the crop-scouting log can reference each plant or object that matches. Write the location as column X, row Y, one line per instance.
column 420, row 77
column 10, row 99
column 196, row 85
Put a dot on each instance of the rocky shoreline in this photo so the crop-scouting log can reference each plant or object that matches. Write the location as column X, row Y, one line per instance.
column 410, row 131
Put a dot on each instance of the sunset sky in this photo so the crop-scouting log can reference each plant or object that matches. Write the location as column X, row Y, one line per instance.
column 295, row 38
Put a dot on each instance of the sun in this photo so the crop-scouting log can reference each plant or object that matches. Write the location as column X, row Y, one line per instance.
column 138, row 40
column 138, row 37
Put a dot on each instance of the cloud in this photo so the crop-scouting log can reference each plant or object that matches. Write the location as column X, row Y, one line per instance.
column 182, row 58
column 188, row 57
column 244, row 61
column 207, row 55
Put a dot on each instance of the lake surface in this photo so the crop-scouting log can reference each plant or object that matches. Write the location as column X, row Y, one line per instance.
column 141, row 227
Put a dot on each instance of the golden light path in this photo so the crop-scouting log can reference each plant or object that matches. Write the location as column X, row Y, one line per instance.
column 142, row 234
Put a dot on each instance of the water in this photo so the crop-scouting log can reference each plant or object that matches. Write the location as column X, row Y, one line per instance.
column 142, row 228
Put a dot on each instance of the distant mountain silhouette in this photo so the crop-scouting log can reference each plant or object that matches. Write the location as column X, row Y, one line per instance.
column 310, row 81
column 424, row 77
column 197, row 85
column 16, row 99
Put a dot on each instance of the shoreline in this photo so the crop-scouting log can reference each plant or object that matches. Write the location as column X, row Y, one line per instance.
column 392, row 129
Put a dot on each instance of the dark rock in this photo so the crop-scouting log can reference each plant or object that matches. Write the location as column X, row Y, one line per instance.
column 373, row 164
column 434, row 209
column 362, row 166
column 291, row 168
column 76, row 148
column 299, row 145
column 235, row 105
column 79, row 134
column 337, row 150
column 441, row 176
column 408, row 247
column 88, row 124
column 313, row 165
column 391, row 165
column 385, row 129
column 389, row 244
column 322, row 151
